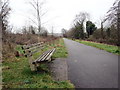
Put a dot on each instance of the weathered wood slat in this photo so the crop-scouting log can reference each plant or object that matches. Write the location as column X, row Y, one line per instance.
column 37, row 50
column 44, row 58
column 32, row 45
column 29, row 50
column 48, row 58
column 32, row 48
column 39, row 58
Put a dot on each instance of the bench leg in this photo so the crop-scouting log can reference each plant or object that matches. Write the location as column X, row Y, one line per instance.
column 50, row 60
column 37, row 65
column 32, row 66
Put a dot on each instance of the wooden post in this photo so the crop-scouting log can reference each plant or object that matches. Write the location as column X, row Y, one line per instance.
column 50, row 59
column 37, row 65
column 32, row 66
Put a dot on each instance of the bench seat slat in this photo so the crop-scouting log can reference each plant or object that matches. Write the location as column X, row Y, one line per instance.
column 44, row 56
column 50, row 54
column 41, row 56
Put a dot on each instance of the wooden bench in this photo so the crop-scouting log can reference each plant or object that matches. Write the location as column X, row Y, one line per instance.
column 29, row 50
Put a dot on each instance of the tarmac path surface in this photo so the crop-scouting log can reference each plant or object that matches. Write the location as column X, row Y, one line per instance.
column 89, row 67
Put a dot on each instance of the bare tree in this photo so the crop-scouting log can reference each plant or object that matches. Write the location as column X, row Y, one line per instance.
column 112, row 13
column 64, row 32
column 0, row 20
column 0, row 36
column 114, row 17
column 102, row 21
column 52, row 31
column 118, row 23
column 79, row 24
column 81, row 17
column 38, row 7
column 4, row 12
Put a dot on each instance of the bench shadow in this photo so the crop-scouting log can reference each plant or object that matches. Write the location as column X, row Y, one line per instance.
column 27, row 71
column 41, row 70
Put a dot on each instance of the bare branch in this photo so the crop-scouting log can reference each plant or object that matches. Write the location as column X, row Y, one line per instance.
column 33, row 5
column 44, row 13
column 39, row 14
column 33, row 21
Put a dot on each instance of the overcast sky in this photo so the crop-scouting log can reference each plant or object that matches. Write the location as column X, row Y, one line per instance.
column 60, row 13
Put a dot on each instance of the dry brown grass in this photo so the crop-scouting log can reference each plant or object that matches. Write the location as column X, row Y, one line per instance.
column 12, row 40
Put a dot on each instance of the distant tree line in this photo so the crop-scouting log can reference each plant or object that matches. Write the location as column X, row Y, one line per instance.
column 78, row 30
column 85, row 29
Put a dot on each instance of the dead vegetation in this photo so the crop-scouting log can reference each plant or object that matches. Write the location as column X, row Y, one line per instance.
column 12, row 40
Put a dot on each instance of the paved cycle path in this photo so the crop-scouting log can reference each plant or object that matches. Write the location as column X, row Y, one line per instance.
column 89, row 67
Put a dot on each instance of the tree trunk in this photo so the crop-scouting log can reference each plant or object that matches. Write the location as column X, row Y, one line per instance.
column 118, row 23
column 102, row 30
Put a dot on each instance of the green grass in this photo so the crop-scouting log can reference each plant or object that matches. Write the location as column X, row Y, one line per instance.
column 108, row 48
column 61, row 51
column 17, row 73
column 18, row 48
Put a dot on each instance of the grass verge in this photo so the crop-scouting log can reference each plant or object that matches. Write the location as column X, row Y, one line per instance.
column 17, row 73
column 61, row 51
column 108, row 48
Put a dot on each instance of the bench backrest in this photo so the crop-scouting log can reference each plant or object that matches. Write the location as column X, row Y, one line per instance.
column 29, row 50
